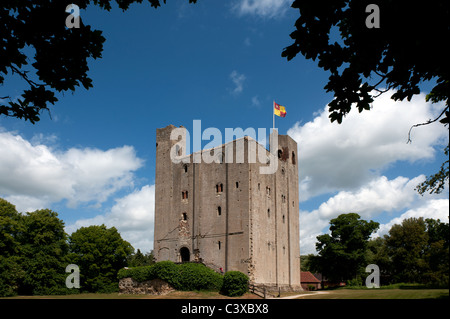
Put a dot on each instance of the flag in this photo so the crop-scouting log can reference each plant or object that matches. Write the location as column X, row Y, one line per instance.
column 279, row 110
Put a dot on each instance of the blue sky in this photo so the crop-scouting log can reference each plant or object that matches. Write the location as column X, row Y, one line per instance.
column 219, row 62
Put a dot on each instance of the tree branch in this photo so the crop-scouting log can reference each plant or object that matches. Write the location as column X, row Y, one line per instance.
column 24, row 76
column 425, row 123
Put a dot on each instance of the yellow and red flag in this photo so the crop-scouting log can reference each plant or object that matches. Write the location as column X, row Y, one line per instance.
column 279, row 110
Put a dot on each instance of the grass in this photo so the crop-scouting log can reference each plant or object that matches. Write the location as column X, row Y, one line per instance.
column 392, row 293
column 172, row 295
column 341, row 293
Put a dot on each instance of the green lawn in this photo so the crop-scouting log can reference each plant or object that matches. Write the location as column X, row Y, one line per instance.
column 379, row 294
column 324, row 294
column 172, row 295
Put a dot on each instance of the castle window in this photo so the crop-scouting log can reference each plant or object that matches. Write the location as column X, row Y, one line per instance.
column 237, row 184
column 268, row 190
column 259, row 186
column 268, row 213
column 219, row 188
column 219, row 210
column 184, row 195
column 293, row 158
column 280, row 153
column 178, row 150
column 185, row 168
column 283, row 219
column 184, row 216
column 283, row 198
column 220, row 244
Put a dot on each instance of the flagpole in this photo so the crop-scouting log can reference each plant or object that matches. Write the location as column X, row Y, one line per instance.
column 273, row 114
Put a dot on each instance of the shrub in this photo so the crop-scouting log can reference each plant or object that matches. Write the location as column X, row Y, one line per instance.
column 188, row 276
column 235, row 283
column 199, row 277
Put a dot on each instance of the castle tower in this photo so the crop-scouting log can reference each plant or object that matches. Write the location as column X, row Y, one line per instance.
column 226, row 214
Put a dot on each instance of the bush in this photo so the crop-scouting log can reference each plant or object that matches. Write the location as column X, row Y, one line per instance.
column 188, row 276
column 199, row 277
column 235, row 284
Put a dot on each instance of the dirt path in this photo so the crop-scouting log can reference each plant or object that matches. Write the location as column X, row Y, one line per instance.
column 305, row 295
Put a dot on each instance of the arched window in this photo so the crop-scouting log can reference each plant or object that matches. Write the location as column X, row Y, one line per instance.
column 219, row 210
column 185, row 168
column 219, row 188
column 185, row 254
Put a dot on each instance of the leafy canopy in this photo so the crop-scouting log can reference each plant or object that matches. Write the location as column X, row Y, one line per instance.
column 407, row 49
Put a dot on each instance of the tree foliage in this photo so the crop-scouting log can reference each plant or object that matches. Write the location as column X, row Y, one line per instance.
column 406, row 50
column 342, row 254
column 99, row 252
column 417, row 250
column 36, row 46
column 35, row 251
column 398, row 55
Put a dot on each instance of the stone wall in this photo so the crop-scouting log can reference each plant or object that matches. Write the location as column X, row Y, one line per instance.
column 149, row 287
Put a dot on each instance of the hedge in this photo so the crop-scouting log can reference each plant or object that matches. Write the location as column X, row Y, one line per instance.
column 187, row 276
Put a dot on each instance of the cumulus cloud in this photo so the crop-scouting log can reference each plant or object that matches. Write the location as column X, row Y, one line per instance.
column 347, row 161
column 435, row 209
column 33, row 174
column 238, row 81
column 262, row 8
column 132, row 215
column 346, row 156
column 370, row 201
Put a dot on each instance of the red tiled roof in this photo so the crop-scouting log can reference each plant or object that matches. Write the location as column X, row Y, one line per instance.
column 306, row 276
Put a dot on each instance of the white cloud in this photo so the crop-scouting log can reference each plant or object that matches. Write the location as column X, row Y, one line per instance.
column 238, row 81
column 346, row 156
column 132, row 215
column 34, row 175
column 435, row 209
column 371, row 200
column 347, row 161
column 378, row 196
column 255, row 101
column 262, row 8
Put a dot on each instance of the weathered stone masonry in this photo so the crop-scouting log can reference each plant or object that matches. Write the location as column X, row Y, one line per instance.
column 228, row 215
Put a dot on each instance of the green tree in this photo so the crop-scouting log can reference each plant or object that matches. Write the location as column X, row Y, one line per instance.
column 342, row 255
column 11, row 272
column 99, row 252
column 437, row 253
column 377, row 254
column 407, row 244
column 34, row 31
column 366, row 62
column 43, row 250
column 138, row 259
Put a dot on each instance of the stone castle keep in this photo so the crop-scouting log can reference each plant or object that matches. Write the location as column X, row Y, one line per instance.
column 228, row 215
